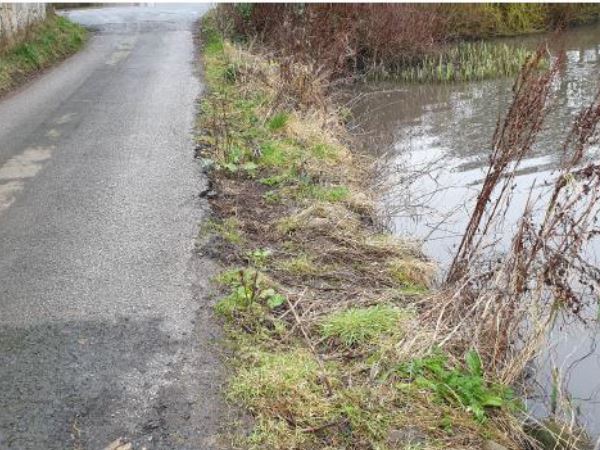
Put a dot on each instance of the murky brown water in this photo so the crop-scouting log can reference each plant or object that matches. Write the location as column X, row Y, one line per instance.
column 443, row 132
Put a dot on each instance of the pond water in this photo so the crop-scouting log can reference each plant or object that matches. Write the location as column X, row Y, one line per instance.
column 438, row 138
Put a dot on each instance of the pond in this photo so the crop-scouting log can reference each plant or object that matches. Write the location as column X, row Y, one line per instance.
column 438, row 141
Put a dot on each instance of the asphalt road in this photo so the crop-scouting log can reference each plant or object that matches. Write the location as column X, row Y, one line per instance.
column 104, row 328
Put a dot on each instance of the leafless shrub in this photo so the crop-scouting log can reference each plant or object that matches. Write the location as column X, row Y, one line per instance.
column 512, row 140
column 503, row 303
column 341, row 38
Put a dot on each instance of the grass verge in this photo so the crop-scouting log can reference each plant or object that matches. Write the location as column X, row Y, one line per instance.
column 44, row 45
column 322, row 307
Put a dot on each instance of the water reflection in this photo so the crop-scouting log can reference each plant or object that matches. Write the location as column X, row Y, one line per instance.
column 440, row 137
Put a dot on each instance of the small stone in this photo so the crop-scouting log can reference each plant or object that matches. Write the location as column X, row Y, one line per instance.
column 492, row 445
column 395, row 437
column 119, row 444
column 406, row 436
column 206, row 164
column 208, row 193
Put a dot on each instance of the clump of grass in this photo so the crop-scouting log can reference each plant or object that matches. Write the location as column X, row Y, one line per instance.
column 227, row 229
column 277, row 154
column 411, row 272
column 299, row 265
column 283, row 383
column 322, row 218
column 324, row 193
column 278, row 121
column 43, row 45
column 357, row 326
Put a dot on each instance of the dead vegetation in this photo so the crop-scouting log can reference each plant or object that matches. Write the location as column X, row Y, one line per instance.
column 503, row 298
column 341, row 41
column 339, row 342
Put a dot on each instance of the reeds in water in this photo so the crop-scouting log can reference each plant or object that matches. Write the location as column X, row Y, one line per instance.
column 466, row 62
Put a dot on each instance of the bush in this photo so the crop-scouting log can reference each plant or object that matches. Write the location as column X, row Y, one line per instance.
column 349, row 38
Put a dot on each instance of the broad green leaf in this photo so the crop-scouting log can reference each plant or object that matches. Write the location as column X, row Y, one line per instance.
column 275, row 300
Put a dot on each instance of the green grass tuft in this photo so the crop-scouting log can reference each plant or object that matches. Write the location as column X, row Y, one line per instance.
column 300, row 265
column 275, row 155
column 331, row 194
column 360, row 325
column 228, row 230
column 282, row 382
column 278, row 121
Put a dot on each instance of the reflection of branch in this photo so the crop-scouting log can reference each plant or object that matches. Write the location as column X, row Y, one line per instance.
column 445, row 218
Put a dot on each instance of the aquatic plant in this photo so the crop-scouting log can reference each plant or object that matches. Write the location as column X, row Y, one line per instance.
column 463, row 62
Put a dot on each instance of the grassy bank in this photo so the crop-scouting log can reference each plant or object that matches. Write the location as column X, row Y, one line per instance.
column 42, row 46
column 322, row 306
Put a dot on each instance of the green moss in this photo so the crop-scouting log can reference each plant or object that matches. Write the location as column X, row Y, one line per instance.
column 47, row 43
column 360, row 325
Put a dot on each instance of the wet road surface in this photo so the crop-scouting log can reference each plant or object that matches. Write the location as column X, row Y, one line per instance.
column 104, row 329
